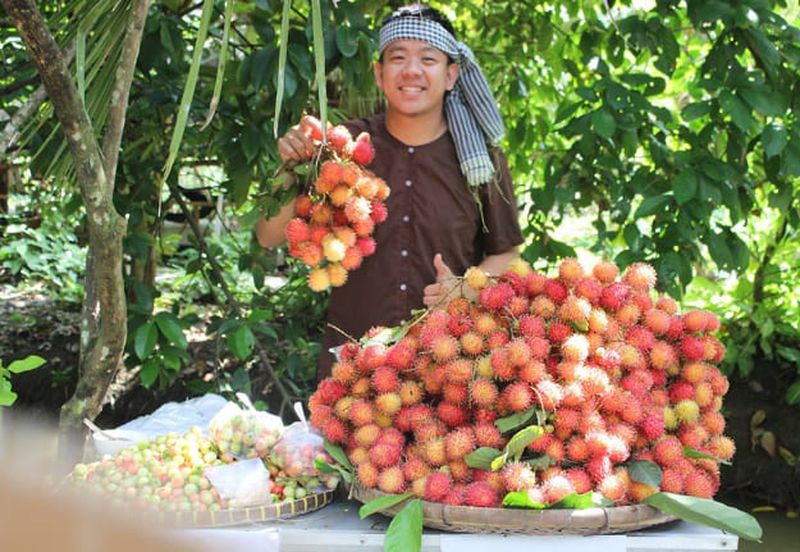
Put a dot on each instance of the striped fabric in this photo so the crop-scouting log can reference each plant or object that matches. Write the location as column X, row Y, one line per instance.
column 470, row 108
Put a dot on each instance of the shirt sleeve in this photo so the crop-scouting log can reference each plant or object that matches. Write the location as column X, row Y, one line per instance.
column 500, row 214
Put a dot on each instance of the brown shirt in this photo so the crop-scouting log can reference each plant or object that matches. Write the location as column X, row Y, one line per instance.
column 430, row 211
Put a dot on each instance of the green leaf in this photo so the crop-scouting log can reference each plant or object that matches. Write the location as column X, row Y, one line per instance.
column 404, row 533
column 319, row 62
column 26, row 364
column 603, row 123
column 707, row 512
column 149, row 373
column 223, row 56
column 287, row 5
column 482, row 458
column 188, row 90
column 7, row 396
column 338, row 454
column 145, row 340
column 685, row 186
column 170, row 328
column 498, row 463
column 793, row 393
column 651, row 205
column 347, row 40
column 516, row 445
column 763, row 100
column 645, row 472
column 690, row 452
column 520, row 499
column 774, row 138
column 241, row 342
column 741, row 115
column 583, row 501
column 696, row 110
column 514, row 421
column 382, row 503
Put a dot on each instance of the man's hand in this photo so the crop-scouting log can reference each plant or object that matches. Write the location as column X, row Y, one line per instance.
column 446, row 284
column 296, row 146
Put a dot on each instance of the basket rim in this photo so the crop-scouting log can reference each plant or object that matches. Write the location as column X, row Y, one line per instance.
column 471, row 519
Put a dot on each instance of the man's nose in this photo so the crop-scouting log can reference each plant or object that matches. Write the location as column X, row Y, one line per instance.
column 412, row 67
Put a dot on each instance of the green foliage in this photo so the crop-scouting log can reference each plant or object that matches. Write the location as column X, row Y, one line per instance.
column 707, row 512
column 48, row 255
column 7, row 396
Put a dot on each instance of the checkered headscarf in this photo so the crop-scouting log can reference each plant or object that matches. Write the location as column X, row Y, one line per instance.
column 470, row 108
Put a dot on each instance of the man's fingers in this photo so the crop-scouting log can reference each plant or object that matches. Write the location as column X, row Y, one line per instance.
column 442, row 270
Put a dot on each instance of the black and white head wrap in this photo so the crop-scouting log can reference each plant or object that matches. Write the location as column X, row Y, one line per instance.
column 470, row 108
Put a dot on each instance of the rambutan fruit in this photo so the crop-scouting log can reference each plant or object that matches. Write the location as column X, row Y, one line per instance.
column 434, row 451
column 590, row 289
column 693, row 435
column 628, row 315
column 539, row 347
column 476, row 278
column 472, row 343
column 519, row 396
column 444, row 348
column 598, row 467
column 451, row 414
column 668, row 451
column 534, row 283
column 698, row 483
column 518, row 477
column 580, row 480
column 383, row 455
column 487, row 435
column 722, row 447
column 362, row 153
column 614, row 296
column 368, row 475
column 502, row 369
column 687, row 411
column 555, row 290
column 671, row 481
column 460, row 471
column 694, row 321
column 640, row 276
column 302, row 205
column 485, row 324
column 663, row 356
column 483, row 392
column 548, row 394
column 459, row 443
column 459, row 371
column 388, row 403
column 331, row 391
column 411, row 393
column 558, row 332
column 360, row 387
column 640, row 491
column 343, row 371
column 612, row 487
column 667, row 304
column 692, row 348
column 575, row 310
column 543, row 307
column 518, row 352
column 391, row 480
column 556, row 488
column 318, row 279
column 703, row 394
column 496, row 297
column 479, row 493
column 437, row 486
column 652, row 425
column 415, row 468
column 575, row 348
column 456, row 393
column 605, row 271
column 533, row 372
column 713, row 422
column 570, row 271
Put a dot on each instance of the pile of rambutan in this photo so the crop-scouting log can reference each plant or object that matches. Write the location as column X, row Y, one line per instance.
column 332, row 230
column 610, row 373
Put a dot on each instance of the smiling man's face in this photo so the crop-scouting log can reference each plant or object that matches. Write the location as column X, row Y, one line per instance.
column 414, row 77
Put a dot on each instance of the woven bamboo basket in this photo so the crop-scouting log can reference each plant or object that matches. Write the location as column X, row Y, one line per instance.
column 243, row 516
column 468, row 519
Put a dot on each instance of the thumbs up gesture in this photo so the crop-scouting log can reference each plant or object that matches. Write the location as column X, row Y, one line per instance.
column 436, row 293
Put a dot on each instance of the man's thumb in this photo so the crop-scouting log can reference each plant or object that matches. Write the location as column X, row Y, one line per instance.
column 442, row 270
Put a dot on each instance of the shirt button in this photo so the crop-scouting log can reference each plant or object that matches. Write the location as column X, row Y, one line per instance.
column 411, row 150
column 406, row 218
column 404, row 253
column 409, row 183
column 403, row 287
column 403, row 321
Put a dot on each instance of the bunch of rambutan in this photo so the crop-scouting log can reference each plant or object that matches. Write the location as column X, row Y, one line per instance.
column 617, row 374
column 332, row 230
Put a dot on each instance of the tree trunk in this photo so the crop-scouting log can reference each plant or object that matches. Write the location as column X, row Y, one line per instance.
column 104, row 315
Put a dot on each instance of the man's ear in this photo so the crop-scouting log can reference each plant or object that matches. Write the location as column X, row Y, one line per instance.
column 452, row 75
column 377, row 70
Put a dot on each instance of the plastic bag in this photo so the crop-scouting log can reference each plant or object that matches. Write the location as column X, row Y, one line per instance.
column 241, row 484
column 244, row 433
column 294, row 456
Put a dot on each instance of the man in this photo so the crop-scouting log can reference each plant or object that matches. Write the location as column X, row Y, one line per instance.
column 430, row 147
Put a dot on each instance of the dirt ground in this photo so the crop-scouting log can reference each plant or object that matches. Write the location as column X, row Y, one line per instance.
column 765, row 471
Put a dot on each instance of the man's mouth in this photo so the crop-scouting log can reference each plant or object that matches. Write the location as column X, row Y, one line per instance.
column 411, row 89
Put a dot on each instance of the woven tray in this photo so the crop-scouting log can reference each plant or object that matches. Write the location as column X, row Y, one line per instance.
column 242, row 516
column 468, row 519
